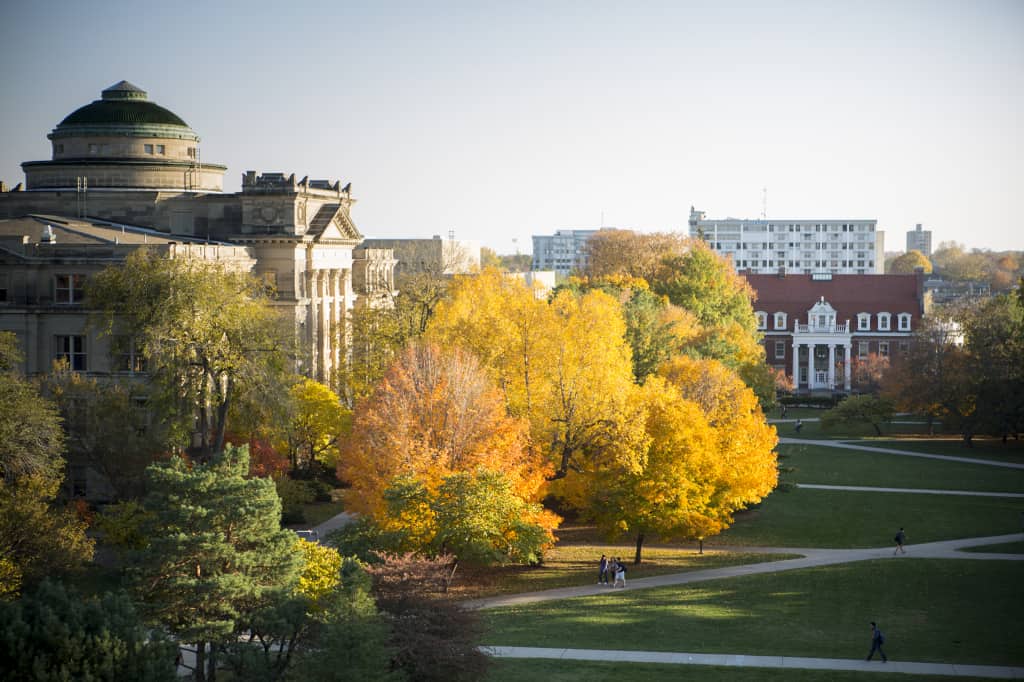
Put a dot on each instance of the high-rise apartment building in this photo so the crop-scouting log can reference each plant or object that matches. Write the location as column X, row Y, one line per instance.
column 564, row 252
column 920, row 240
column 840, row 246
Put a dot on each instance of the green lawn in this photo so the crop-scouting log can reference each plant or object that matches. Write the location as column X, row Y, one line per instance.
column 1007, row 548
column 930, row 610
column 813, row 430
column 318, row 512
column 983, row 448
column 835, row 466
column 569, row 565
column 825, row 518
column 549, row 670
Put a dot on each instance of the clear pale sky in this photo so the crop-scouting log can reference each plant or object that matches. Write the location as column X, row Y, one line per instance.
column 503, row 120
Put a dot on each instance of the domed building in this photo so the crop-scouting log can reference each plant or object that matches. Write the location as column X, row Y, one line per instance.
column 124, row 141
column 126, row 173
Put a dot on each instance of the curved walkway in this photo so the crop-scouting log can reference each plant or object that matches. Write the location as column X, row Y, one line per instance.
column 847, row 445
column 912, row 491
column 790, row 662
column 811, row 557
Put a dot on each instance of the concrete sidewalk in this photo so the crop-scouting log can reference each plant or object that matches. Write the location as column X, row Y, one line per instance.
column 811, row 557
column 913, row 491
column 847, row 445
column 791, row 662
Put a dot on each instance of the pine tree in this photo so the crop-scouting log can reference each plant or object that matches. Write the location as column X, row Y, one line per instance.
column 216, row 552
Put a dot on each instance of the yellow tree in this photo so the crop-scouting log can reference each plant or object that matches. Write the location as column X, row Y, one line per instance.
column 317, row 423
column 744, row 441
column 434, row 414
column 906, row 263
column 564, row 365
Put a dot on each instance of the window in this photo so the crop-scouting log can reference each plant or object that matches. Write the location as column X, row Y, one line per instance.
column 161, row 149
column 883, row 322
column 72, row 350
column 780, row 320
column 862, row 349
column 191, row 152
column 148, row 148
column 780, row 349
column 94, row 149
column 58, row 148
column 883, row 348
column 904, row 346
column 762, row 320
column 68, row 289
column 904, row 322
column 127, row 357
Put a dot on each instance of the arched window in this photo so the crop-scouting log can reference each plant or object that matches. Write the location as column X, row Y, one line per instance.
column 884, row 322
column 762, row 319
column 780, row 320
column 904, row 322
column 863, row 322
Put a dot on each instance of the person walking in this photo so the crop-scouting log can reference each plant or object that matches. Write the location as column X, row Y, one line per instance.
column 799, row 425
column 620, row 573
column 877, row 640
column 900, row 538
column 602, row 571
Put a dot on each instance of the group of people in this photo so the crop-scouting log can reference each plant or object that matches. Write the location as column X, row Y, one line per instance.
column 613, row 569
column 877, row 638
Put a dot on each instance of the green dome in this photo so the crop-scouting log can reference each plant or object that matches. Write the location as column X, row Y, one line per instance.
column 122, row 104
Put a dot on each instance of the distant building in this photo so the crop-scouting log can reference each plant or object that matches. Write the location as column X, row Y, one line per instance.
column 542, row 282
column 439, row 256
column 125, row 173
column 816, row 327
column 839, row 246
column 920, row 240
column 564, row 252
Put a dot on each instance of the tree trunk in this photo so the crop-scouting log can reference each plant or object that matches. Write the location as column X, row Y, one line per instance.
column 200, row 669
column 878, row 431
column 639, row 548
column 211, row 675
column 222, row 415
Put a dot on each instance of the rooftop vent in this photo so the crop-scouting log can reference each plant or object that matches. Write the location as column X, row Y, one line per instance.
column 48, row 237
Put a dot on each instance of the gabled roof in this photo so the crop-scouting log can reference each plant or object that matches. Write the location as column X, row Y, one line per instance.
column 848, row 294
column 332, row 222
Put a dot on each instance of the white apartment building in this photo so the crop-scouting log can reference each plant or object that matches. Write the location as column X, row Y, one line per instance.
column 840, row 246
column 564, row 252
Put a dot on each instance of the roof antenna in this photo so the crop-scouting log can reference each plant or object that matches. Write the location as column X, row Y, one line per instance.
column 764, row 203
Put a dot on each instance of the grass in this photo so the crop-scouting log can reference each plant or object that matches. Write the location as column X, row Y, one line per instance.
column 836, row 466
column 813, row 430
column 550, row 670
column 318, row 512
column 983, row 448
column 837, row 518
column 937, row 610
column 570, row 565
column 1006, row 548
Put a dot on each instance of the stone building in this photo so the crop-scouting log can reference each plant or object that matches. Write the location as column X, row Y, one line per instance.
column 816, row 327
column 125, row 173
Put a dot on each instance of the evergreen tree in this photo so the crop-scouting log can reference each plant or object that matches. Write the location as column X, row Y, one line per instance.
column 216, row 552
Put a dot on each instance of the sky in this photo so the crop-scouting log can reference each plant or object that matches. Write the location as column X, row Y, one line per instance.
column 498, row 121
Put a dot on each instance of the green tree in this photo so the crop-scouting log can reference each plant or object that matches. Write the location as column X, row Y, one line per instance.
column 207, row 334
column 55, row 635
column 37, row 538
column 859, row 409
column 31, row 437
column 907, row 263
column 994, row 334
column 108, row 428
column 216, row 552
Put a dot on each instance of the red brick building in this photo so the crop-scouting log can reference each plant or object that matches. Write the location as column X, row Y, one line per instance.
column 817, row 326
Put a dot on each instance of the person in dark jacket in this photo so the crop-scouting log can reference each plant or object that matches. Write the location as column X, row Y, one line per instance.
column 602, row 571
column 900, row 538
column 877, row 640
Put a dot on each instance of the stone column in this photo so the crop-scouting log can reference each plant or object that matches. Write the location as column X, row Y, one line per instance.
column 312, row 320
column 324, row 327
column 337, row 292
column 796, row 364
column 831, row 366
column 846, row 364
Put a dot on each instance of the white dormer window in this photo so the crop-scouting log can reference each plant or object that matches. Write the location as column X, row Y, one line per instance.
column 863, row 322
column 883, row 322
column 904, row 322
column 762, row 320
column 780, row 320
